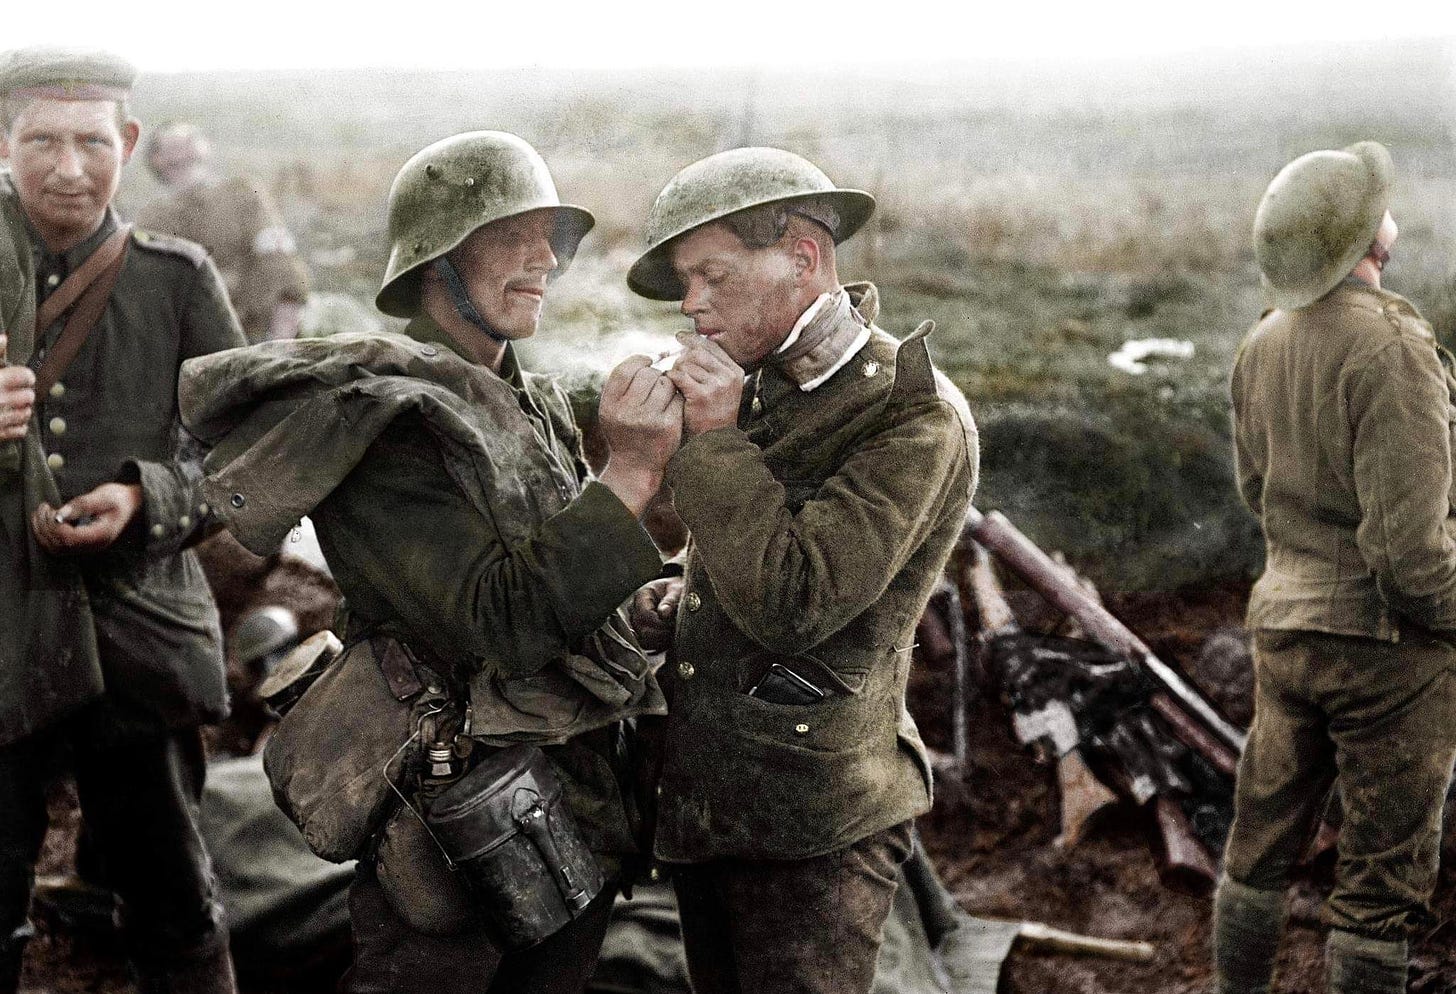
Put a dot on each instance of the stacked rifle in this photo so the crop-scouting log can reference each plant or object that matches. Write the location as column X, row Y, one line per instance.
column 1119, row 723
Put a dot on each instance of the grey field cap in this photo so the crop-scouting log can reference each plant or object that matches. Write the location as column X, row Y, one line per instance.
column 723, row 184
column 449, row 189
column 66, row 73
column 1318, row 218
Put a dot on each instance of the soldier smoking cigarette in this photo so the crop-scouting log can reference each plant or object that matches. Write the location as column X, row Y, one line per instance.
column 665, row 360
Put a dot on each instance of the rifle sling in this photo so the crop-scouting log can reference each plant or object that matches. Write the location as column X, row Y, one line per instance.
column 89, row 288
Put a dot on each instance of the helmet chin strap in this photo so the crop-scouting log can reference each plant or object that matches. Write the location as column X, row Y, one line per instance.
column 461, row 299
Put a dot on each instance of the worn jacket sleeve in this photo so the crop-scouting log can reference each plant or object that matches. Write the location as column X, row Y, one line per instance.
column 412, row 539
column 1400, row 405
column 173, row 515
column 789, row 581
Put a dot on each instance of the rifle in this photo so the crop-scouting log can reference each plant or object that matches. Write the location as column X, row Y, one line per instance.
column 1190, row 715
column 1105, row 705
column 1050, row 730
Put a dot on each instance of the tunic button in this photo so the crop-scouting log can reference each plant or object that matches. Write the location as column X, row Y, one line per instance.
column 430, row 350
column 185, row 521
column 685, row 670
column 53, row 279
column 58, row 390
column 654, row 874
column 158, row 531
column 55, row 460
column 693, row 601
column 756, row 406
column 801, row 729
column 238, row 500
column 58, row 426
column 203, row 510
column 870, row 369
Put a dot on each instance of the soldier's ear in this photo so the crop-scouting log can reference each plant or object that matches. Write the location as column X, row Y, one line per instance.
column 131, row 131
column 806, row 258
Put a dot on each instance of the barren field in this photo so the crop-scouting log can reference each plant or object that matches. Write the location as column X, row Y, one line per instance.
column 1045, row 217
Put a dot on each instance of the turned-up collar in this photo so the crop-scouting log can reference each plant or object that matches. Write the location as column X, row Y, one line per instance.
column 827, row 335
column 59, row 265
column 423, row 328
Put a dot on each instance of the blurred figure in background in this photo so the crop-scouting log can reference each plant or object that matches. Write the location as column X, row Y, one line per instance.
column 236, row 220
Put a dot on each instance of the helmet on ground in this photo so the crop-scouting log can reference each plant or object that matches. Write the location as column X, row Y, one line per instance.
column 723, row 184
column 449, row 189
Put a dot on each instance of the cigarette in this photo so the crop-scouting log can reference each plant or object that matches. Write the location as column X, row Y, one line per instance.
column 665, row 361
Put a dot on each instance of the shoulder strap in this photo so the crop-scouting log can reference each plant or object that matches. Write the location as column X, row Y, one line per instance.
column 89, row 287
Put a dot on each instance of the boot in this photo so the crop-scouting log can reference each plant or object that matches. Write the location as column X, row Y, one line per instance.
column 208, row 972
column 1247, row 924
column 1359, row 965
column 12, row 955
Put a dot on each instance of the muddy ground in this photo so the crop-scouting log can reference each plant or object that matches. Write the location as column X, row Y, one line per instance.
column 991, row 836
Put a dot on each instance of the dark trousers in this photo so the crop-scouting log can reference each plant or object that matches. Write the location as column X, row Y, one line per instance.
column 806, row 926
column 139, row 795
column 1377, row 717
column 392, row 958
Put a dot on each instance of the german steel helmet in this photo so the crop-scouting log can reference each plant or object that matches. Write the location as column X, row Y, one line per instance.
column 449, row 189
column 1318, row 219
column 264, row 631
column 731, row 181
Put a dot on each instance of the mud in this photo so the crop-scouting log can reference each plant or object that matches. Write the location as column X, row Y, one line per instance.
column 990, row 835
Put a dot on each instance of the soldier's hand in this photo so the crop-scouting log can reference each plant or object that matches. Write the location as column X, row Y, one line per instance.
column 654, row 611
column 711, row 384
column 17, row 398
column 641, row 417
column 91, row 522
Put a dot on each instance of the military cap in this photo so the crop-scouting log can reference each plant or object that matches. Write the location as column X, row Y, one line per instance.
column 66, row 74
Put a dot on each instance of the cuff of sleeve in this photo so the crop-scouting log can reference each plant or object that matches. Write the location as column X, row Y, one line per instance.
column 168, row 518
column 702, row 457
column 600, row 512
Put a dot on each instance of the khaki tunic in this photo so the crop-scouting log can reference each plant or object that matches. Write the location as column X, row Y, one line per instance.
column 153, row 642
column 1343, row 421
column 819, row 528
column 237, row 222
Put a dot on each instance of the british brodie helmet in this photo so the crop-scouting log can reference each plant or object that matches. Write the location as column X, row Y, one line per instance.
column 728, row 182
column 1318, row 218
column 449, row 189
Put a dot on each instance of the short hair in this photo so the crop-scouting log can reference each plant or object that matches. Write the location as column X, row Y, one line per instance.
column 766, row 225
column 12, row 105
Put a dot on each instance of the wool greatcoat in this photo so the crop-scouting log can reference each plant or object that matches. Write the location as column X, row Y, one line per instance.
column 455, row 509
column 112, row 659
column 1344, row 419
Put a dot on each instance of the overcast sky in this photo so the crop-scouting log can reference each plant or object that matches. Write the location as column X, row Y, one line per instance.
column 450, row 34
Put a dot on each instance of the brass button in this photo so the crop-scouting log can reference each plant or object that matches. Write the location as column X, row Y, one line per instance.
column 58, row 390
column 756, row 406
column 685, row 670
column 870, row 369
column 55, row 460
column 58, row 426
column 53, row 279
column 654, row 874
column 185, row 521
column 430, row 351
column 801, row 729
column 238, row 500
column 203, row 510
column 693, row 601
column 158, row 531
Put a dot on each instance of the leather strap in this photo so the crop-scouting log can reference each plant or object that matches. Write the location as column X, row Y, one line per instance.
column 397, row 666
column 89, row 288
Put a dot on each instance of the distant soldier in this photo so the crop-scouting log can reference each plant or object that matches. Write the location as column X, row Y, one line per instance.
column 110, row 653
column 237, row 221
column 1343, row 420
column 823, row 496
